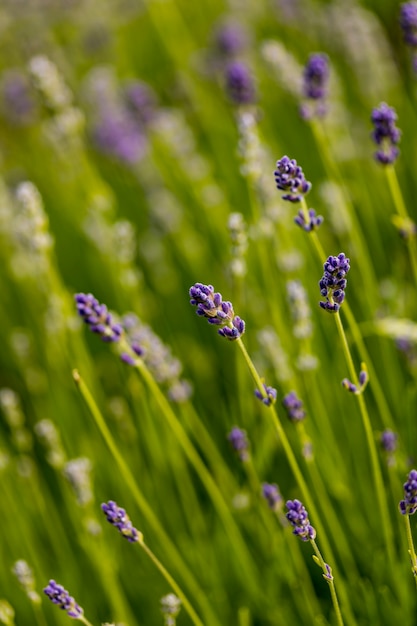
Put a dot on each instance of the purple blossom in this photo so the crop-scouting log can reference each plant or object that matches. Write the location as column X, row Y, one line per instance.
column 229, row 39
column 333, row 283
column 294, row 407
column 363, row 380
column 385, row 134
column 141, row 101
column 118, row 135
column 389, row 440
column 408, row 23
column 119, row 518
column 239, row 83
column 316, row 76
column 211, row 306
column 312, row 223
column 271, row 395
column 272, row 495
column 298, row 518
column 408, row 506
column 239, row 441
column 289, row 177
column 17, row 100
column 97, row 317
column 62, row 598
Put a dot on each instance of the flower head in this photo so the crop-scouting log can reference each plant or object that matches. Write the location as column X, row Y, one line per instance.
column 269, row 398
column 294, row 407
column 119, row 518
column 229, row 39
column 239, row 83
column 272, row 495
column 97, row 317
column 385, row 134
column 333, row 283
column 310, row 223
column 62, row 598
column 298, row 518
column 408, row 23
column 315, row 81
column 408, row 506
column 239, row 441
column 210, row 305
column 289, row 177
column 389, row 440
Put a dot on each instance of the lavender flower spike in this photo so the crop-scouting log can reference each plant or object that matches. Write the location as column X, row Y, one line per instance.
column 271, row 395
column 315, row 81
column 385, row 134
column 210, row 305
column 62, row 598
column 408, row 23
column 272, row 495
column 294, row 407
column 333, row 283
column 289, row 177
column 119, row 518
column 298, row 518
column 239, row 442
column 313, row 222
column 239, row 83
column 97, row 317
column 408, row 506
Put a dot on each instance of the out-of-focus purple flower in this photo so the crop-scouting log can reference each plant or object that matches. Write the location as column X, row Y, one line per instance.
column 385, row 134
column 408, row 23
column 408, row 506
column 389, row 440
column 298, row 518
column 141, row 101
column 239, row 441
column 316, row 76
column 17, row 103
column 119, row 518
column 363, row 380
column 294, row 407
column 211, row 306
column 97, row 317
column 289, row 177
column 269, row 398
column 272, row 495
column 240, row 86
column 229, row 39
column 333, row 283
column 311, row 223
column 60, row 596
column 117, row 135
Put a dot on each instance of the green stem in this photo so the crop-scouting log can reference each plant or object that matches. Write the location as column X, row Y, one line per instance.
column 330, row 582
column 401, row 209
column 170, row 580
column 84, row 620
column 138, row 496
column 411, row 550
column 376, row 470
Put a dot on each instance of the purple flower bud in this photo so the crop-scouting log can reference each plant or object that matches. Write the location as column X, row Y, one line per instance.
column 272, row 495
column 385, row 134
column 333, row 283
column 408, row 23
column 271, row 395
column 312, row 223
column 294, row 407
column 60, row 596
column 229, row 39
column 119, row 518
column 141, row 101
column 239, row 83
column 289, row 177
column 118, row 135
column 316, row 76
column 298, row 518
column 239, row 442
column 211, row 306
column 408, row 506
column 389, row 440
column 97, row 317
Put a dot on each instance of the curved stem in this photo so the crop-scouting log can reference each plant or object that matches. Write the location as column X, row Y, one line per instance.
column 411, row 550
column 330, row 581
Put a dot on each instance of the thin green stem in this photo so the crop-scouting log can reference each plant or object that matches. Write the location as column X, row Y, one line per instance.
column 170, row 580
column 376, row 470
column 402, row 212
column 330, row 581
column 411, row 549
column 140, row 499
column 84, row 620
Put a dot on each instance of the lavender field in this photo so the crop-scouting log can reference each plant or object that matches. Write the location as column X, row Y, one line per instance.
column 208, row 242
